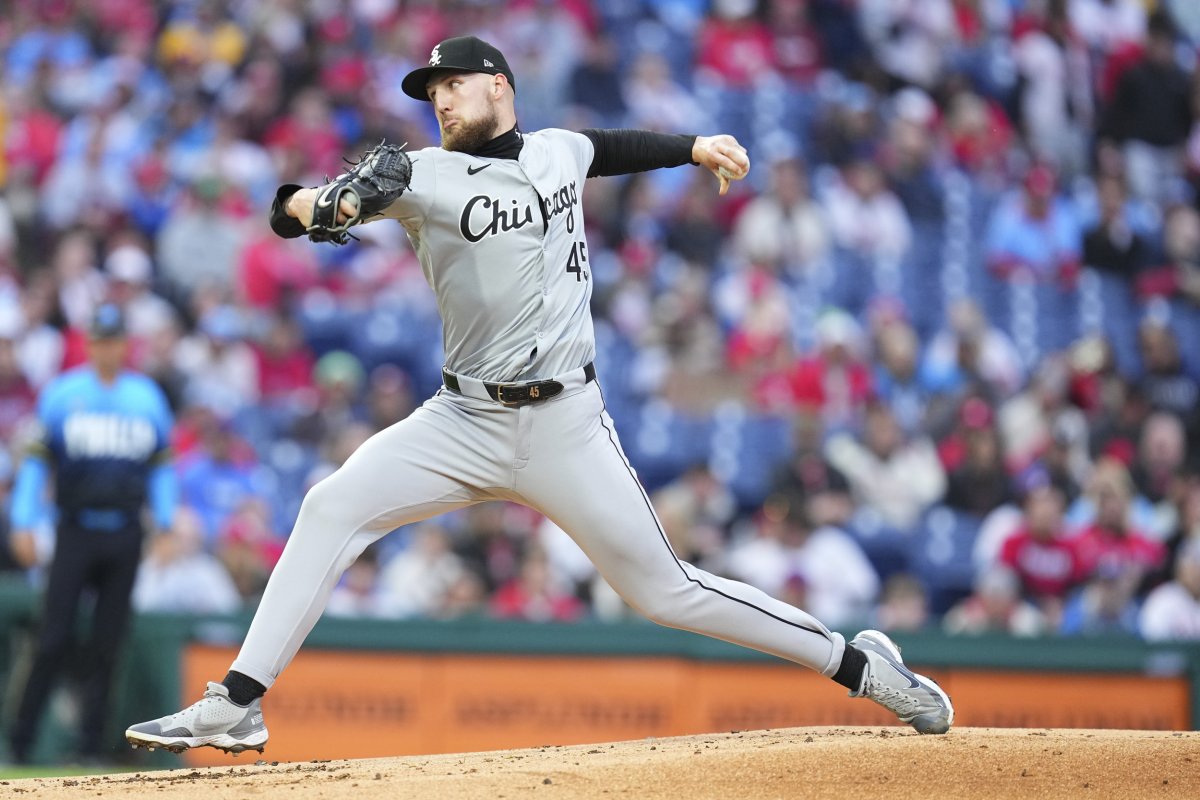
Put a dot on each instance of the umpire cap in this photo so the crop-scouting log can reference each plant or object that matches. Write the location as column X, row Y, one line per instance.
column 108, row 322
column 465, row 53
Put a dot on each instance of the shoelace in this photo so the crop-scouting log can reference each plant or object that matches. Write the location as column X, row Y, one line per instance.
column 902, row 703
column 207, row 699
column 213, row 694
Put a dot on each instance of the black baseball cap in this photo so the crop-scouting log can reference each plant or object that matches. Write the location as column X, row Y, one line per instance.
column 108, row 322
column 466, row 53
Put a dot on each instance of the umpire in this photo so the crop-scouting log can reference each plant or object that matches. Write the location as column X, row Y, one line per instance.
column 104, row 436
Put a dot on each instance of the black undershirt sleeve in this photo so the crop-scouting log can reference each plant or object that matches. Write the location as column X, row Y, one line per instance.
column 281, row 223
column 619, row 152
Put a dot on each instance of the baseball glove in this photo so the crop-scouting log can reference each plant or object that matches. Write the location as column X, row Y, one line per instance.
column 371, row 185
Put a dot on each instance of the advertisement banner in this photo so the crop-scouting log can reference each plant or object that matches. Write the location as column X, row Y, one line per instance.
column 361, row 704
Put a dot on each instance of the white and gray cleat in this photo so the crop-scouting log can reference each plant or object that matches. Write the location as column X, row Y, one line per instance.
column 913, row 698
column 213, row 721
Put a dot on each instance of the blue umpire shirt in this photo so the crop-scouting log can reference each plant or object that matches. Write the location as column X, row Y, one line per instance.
column 109, row 447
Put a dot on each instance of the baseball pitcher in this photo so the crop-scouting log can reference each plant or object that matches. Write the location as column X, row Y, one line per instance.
column 494, row 216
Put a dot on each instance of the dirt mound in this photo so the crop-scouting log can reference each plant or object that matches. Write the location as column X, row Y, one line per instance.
column 792, row 763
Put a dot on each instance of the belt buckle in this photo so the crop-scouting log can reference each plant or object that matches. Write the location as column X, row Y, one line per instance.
column 515, row 402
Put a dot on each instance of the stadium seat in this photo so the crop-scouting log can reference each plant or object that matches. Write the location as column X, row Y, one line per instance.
column 665, row 443
column 942, row 556
column 1118, row 312
column 324, row 323
column 290, row 463
column 889, row 550
column 746, row 450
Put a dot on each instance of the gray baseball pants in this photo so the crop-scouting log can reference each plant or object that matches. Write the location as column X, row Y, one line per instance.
column 562, row 458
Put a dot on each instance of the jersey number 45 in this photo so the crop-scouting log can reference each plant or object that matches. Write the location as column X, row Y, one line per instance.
column 577, row 261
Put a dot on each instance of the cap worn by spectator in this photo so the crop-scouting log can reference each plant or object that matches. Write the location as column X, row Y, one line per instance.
column 914, row 105
column 464, row 53
column 976, row 414
column 1035, row 478
column 223, row 324
column 1040, row 180
column 108, row 322
column 339, row 367
column 208, row 188
column 836, row 327
column 128, row 264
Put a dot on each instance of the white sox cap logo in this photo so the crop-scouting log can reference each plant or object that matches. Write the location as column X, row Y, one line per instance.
column 435, row 57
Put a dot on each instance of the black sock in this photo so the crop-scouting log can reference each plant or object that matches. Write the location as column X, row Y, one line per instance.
column 244, row 690
column 850, row 673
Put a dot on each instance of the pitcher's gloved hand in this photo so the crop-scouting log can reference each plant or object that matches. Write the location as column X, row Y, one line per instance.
column 364, row 191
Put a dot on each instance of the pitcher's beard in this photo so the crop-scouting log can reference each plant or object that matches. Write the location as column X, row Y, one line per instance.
column 468, row 137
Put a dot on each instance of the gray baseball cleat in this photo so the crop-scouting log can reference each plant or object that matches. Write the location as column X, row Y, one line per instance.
column 914, row 698
column 213, row 721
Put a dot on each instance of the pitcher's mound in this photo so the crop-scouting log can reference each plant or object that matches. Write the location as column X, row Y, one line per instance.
column 892, row 763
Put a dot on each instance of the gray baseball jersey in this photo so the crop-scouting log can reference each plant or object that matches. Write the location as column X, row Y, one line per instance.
column 501, row 242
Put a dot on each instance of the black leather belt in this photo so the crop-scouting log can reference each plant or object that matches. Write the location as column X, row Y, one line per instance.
column 518, row 394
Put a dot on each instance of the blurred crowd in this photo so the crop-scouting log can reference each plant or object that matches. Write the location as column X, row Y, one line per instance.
column 934, row 364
